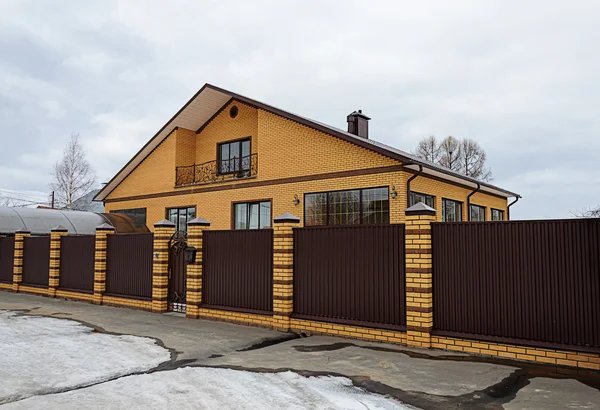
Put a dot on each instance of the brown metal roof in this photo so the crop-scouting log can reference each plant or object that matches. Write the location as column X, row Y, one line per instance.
column 210, row 99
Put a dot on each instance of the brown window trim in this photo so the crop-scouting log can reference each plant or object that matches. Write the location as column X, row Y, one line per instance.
column 458, row 202
column 433, row 197
column 180, row 207
column 341, row 190
column 479, row 206
column 499, row 210
column 218, row 156
column 251, row 201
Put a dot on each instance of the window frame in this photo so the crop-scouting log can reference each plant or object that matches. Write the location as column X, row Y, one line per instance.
column 123, row 212
column 483, row 208
column 360, row 208
column 218, row 156
column 410, row 196
column 497, row 210
column 460, row 204
column 179, row 208
column 249, row 202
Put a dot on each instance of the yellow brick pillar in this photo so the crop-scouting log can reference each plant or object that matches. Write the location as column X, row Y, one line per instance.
column 20, row 236
column 102, row 233
column 283, row 270
column 55, row 237
column 163, row 232
column 193, row 285
column 419, row 296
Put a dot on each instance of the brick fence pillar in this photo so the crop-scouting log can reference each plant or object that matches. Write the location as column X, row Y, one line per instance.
column 55, row 236
column 283, row 270
column 419, row 296
column 193, row 286
column 20, row 236
column 163, row 232
column 102, row 233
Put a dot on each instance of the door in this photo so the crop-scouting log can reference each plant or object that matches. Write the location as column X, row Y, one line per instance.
column 177, row 272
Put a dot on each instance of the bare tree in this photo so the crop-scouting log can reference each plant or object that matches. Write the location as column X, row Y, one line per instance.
column 471, row 160
column 428, row 149
column 465, row 156
column 73, row 175
column 587, row 212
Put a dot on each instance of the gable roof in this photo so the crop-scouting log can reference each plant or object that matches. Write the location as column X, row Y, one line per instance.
column 210, row 100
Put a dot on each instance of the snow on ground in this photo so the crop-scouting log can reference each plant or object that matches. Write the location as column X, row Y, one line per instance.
column 209, row 388
column 43, row 355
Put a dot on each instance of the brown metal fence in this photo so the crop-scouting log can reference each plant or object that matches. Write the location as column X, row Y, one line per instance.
column 129, row 265
column 535, row 281
column 7, row 255
column 351, row 275
column 238, row 270
column 36, row 260
column 77, row 263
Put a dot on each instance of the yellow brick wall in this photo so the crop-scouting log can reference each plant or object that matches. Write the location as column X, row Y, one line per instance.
column 285, row 149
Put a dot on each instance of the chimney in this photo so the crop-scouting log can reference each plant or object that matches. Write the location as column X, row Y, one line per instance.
column 358, row 124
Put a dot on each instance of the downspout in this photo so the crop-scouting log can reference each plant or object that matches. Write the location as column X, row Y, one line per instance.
column 509, row 205
column 409, row 181
column 469, row 200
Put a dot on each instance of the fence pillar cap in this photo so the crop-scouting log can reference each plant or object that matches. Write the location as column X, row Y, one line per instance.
column 105, row 227
column 420, row 209
column 198, row 222
column 59, row 228
column 286, row 217
column 164, row 224
column 23, row 230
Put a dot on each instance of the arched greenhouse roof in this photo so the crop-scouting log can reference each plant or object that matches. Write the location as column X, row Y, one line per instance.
column 41, row 221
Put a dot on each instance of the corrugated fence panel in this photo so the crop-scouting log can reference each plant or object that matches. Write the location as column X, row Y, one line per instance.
column 351, row 274
column 537, row 281
column 77, row 263
column 7, row 256
column 238, row 270
column 129, row 265
column 36, row 260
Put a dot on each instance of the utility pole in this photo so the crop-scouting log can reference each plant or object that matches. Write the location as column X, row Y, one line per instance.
column 52, row 199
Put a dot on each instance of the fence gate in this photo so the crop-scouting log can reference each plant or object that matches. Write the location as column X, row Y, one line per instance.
column 177, row 272
column 7, row 248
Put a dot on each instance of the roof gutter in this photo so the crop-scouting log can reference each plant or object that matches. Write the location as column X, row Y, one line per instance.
column 469, row 199
column 409, row 181
column 511, row 204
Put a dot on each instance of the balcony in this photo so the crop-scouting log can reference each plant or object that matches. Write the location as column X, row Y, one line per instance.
column 217, row 171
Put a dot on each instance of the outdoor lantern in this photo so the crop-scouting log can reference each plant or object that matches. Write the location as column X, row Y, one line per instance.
column 189, row 254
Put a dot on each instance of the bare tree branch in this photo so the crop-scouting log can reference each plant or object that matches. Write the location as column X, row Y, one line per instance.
column 464, row 156
column 590, row 212
column 73, row 175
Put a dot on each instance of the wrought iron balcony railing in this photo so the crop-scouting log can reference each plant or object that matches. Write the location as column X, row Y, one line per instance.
column 215, row 171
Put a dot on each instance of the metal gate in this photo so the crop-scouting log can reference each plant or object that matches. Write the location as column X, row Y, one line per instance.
column 177, row 272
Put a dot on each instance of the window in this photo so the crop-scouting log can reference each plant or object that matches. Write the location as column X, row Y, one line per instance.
column 497, row 215
column 416, row 197
column 138, row 215
column 252, row 215
column 351, row 207
column 477, row 213
column 451, row 211
column 234, row 156
column 181, row 216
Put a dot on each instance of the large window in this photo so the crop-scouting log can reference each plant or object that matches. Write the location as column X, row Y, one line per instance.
column 497, row 215
column 137, row 214
column 234, row 156
column 351, row 207
column 476, row 213
column 416, row 197
column 181, row 216
column 451, row 211
column 252, row 215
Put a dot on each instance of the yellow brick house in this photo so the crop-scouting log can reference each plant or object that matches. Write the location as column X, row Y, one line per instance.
column 238, row 162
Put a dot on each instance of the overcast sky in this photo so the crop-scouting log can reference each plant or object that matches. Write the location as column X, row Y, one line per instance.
column 522, row 78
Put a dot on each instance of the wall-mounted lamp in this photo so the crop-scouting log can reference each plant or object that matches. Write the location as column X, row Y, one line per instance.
column 393, row 193
column 296, row 200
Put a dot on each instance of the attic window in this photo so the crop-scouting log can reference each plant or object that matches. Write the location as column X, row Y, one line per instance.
column 233, row 111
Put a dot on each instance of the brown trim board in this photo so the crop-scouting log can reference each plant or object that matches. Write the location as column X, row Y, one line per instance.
column 306, row 178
